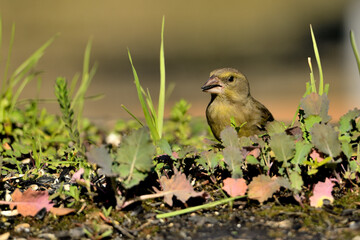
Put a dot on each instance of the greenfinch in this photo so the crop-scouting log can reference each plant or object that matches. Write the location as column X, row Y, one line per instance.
column 231, row 98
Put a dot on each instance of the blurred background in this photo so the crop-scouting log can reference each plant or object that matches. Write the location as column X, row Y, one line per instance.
column 269, row 41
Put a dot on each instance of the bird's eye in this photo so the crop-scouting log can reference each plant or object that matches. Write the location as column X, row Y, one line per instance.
column 231, row 79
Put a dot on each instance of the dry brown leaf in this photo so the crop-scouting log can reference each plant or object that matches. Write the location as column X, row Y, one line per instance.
column 178, row 185
column 61, row 211
column 263, row 187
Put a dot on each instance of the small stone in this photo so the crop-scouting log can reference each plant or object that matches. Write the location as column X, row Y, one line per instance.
column 5, row 236
column 354, row 225
column 47, row 236
column 22, row 227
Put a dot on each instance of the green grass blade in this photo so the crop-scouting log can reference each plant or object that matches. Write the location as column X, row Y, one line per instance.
column 354, row 47
column 73, row 84
column 8, row 59
column 151, row 107
column 148, row 120
column 317, row 56
column 196, row 208
column 87, row 75
column 85, row 78
column 26, row 80
column 161, row 106
column 128, row 111
column 32, row 60
column 0, row 45
column 312, row 79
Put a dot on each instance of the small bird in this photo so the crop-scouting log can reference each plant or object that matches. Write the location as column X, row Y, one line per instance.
column 231, row 98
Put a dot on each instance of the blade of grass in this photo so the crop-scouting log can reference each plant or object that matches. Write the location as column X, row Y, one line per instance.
column 11, row 43
column 354, row 47
column 161, row 106
column 146, row 112
column 0, row 41
column 317, row 56
column 196, row 208
column 77, row 104
column 128, row 111
column 312, row 79
column 151, row 107
column 30, row 62
column 26, row 80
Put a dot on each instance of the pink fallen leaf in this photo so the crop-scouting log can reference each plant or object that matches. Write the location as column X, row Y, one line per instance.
column 322, row 191
column 235, row 186
column 77, row 175
column 30, row 202
column 263, row 187
column 315, row 155
column 179, row 186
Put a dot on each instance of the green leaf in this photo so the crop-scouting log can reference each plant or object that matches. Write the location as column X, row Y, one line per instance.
column 209, row 160
column 325, row 138
column 250, row 159
column 347, row 121
column 165, row 146
column 234, row 159
column 275, row 127
column 315, row 104
column 283, row 146
column 347, row 149
column 296, row 181
column 135, row 157
column 101, row 157
column 310, row 121
column 302, row 149
column 229, row 137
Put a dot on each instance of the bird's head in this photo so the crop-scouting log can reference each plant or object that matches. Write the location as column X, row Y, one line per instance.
column 228, row 83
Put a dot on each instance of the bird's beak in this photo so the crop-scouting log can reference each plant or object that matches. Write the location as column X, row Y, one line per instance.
column 213, row 85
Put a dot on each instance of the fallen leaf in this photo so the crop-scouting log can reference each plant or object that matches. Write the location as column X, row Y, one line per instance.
column 30, row 202
column 77, row 175
column 322, row 191
column 263, row 187
column 179, row 186
column 235, row 186
column 315, row 155
column 61, row 211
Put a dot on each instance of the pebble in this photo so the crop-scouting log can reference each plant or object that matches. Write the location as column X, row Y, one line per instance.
column 22, row 227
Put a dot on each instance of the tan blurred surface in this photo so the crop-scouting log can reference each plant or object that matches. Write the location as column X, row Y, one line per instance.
column 267, row 40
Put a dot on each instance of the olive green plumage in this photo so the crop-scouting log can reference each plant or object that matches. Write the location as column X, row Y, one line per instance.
column 230, row 97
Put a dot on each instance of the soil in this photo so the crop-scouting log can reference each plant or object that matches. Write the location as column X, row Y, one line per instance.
column 244, row 220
